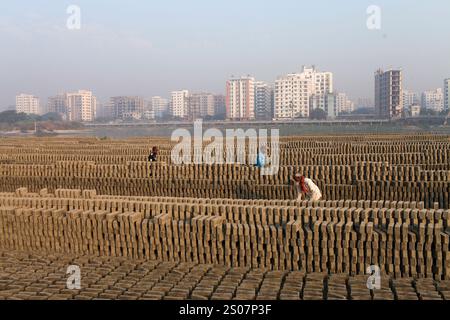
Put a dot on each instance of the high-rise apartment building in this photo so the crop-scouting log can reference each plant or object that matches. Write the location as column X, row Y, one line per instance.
column 58, row 104
column 201, row 105
column 293, row 92
column 149, row 113
column 326, row 102
column 75, row 106
column 433, row 100
column 105, row 111
column 364, row 103
column 263, row 101
column 343, row 103
column 409, row 98
column 81, row 106
column 28, row 104
column 160, row 106
column 128, row 107
column 179, row 104
column 447, row 94
column 388, row 93
column 240, row 98
column 220, row 106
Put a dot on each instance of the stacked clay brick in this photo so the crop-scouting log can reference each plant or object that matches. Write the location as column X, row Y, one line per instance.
column 374, row 167
column 43, row 277
column 318, row 238
column 163, row 231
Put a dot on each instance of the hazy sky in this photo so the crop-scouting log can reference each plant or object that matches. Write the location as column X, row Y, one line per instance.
column 152, row 47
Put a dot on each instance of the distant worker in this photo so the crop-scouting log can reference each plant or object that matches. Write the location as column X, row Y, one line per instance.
column 307, row 187
column 261, row 157
column 153, row 155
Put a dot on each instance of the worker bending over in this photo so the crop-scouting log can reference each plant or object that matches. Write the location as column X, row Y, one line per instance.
column 307, row 187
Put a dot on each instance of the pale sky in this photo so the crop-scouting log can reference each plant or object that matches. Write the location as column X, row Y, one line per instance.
column 149, row 48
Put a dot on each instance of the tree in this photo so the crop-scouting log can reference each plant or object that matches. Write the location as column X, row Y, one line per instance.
column 318, row 114
column 364, row 111
column 427, row 112
column 51, row 116
column 11, row 116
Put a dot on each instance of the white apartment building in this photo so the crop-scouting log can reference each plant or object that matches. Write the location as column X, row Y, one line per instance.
column 293, row 92
column 81, row 106
column 344, row 104
column 447, row 94
column 263, row 100
column 240, row 98
column 179, row 104
column 291, row 97
column 409, row 98
column 27, row 103
column 326, row 102
column 433, row 100
column 148, row 114
column 160, row 106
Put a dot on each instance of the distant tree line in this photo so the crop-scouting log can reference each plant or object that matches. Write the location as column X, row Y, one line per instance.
column 11, row 116
column 431, row 112
column 11, row 120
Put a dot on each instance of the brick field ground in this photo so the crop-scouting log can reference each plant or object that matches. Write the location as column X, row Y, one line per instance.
column 141, row 230
column 43, row 277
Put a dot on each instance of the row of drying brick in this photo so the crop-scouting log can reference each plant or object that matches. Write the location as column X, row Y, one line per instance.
column 427, row 192
column 287, row 157
column 22, row 196
column 402, row 242
column 377, row 143
column 45, row 277
column 333, row 173
column 245, row 211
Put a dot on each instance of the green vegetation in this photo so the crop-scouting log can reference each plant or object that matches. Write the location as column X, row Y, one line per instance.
column 318, row 114
column 364, row 111
column 431, row 112
column 11, row 120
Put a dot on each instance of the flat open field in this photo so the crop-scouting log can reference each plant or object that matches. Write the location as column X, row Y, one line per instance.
column 224, row 231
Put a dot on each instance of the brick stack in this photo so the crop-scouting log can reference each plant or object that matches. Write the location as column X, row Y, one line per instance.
column 222, row 231
column 43, row 277
column 403, row 242
column 383, row 167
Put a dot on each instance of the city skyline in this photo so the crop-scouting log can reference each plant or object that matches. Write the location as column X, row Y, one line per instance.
column 153, row 49
column 293, row 95
column 272, row 83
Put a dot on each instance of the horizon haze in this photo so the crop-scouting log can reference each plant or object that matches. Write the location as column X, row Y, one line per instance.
column 149, row 49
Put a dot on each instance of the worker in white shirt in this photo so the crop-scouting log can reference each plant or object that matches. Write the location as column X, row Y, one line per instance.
column 307, row 187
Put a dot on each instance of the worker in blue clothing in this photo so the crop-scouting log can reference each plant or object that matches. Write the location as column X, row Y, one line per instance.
column 261, row 157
